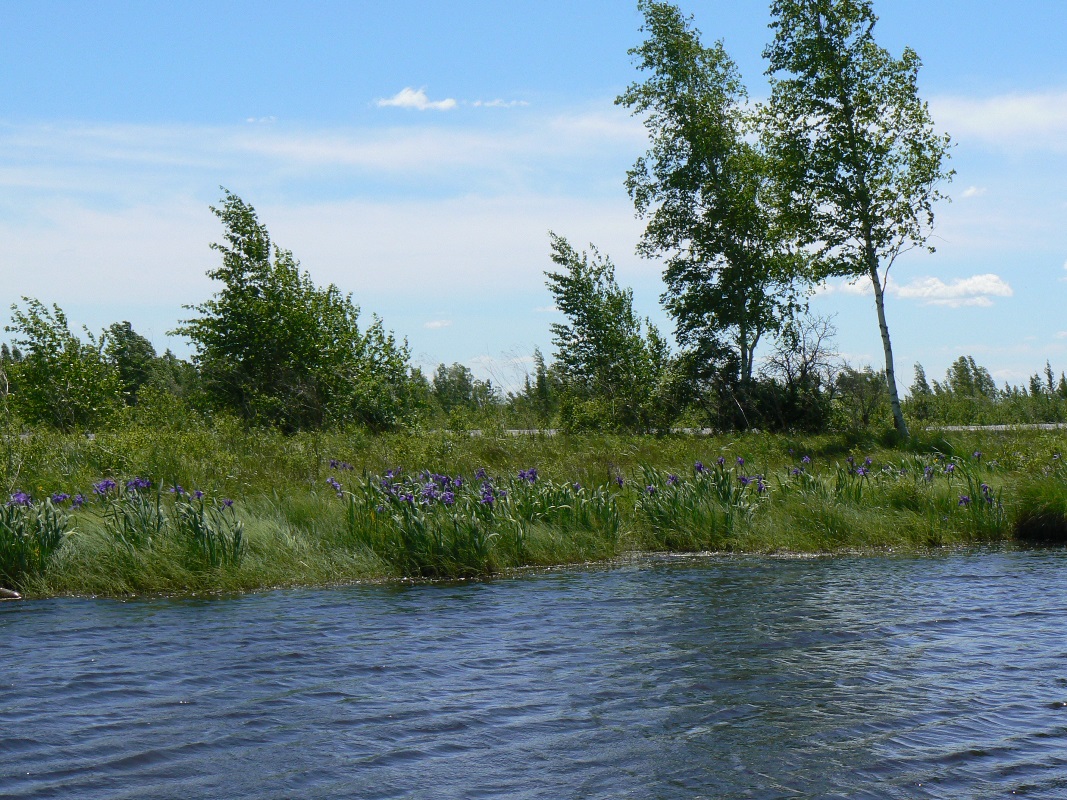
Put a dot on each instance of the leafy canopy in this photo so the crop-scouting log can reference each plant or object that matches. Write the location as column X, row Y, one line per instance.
column 277, row 349
column 705, row 188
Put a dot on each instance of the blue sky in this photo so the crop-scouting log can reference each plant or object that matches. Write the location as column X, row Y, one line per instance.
column 417, row 153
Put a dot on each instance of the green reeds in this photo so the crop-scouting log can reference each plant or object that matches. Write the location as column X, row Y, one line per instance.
column 589, row 499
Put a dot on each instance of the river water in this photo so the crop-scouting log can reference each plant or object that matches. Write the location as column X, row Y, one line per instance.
column 934, row 676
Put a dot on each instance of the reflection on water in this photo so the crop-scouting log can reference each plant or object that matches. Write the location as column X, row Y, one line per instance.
column 871, row 677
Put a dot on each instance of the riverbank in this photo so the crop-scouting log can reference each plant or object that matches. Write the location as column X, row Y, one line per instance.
column 226, row 510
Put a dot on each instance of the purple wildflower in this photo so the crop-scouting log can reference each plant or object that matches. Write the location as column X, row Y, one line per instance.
column 950, row 468
column 448, row 498
column 199, row 495
column 965, row 500
column 227, row 503
column 761, row 487
column 577, row 486
column 20, row 499
column 528, row 475
column 177, row 490
column 457, row 482
column 620, row 480
column 928, row 474
column 136, row 484
column 78, row 501
column 721, row 460
column 744, row 480
column 740, row 461
column 850, row 460
column 861, row 471
column 805, row 460
column 335, row 485
column 699, row 466
column 60, row 497
column 796, row 471
column 977, row 455
column 480, row 474
column 104, row 486
column 867, row 461
column 672, row 479
column 650, row 489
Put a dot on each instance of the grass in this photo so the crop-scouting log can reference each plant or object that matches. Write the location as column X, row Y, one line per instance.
column 317, row 509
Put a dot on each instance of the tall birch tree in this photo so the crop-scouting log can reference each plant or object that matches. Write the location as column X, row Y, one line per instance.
column 854, row 146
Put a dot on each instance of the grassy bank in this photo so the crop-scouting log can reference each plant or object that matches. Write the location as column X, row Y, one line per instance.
column 224, row 509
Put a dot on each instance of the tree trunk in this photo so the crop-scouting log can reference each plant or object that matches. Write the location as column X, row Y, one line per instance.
column 890, row 372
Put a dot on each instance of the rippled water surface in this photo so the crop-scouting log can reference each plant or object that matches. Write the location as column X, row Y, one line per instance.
column 939, row 676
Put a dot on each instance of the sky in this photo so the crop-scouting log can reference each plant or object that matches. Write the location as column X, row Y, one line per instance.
column 417, row 153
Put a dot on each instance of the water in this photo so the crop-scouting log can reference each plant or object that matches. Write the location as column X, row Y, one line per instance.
column 940, row 676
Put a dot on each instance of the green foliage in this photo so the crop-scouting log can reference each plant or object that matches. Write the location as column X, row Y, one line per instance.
column 60, row 381
column 212, row 531
column 30, row 534
column 132, row 356
column 274, row 348
column 610, row 371
column 857, row 162
column 860, row 397
column 705, row 188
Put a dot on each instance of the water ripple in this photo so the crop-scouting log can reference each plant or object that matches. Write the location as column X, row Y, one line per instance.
column 934, row 677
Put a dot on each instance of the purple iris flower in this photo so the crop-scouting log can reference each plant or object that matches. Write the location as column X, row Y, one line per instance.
column 699, row 466
column 650, row 489
column 672, row 479
column 104, row 486
column 805, row 460
column 620, row 480
column 740, row 461
column 60, row 497
column 20, row 499
column 199, row 495
column 227, row 503
column 78, row 501
column 965, row 500
column 448, row 498
column 136, row 484
column 177, row 490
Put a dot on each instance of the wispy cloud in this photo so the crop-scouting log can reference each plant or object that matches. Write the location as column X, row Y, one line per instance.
column 973, row 191
column 417, row 99
column 437, row 324
column 978, row 290
column 1030, row 120
column 499, row 103
column 547, row 309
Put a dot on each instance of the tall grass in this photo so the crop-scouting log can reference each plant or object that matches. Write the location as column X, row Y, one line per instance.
column 261, row 509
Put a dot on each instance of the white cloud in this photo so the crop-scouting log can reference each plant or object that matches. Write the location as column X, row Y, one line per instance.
column 436, row 324
column 417, row 99
column 547, row 309
column 499, row 103
column 1061, row 334
column 1033, row 120
column 974, row 291
column 973, row 191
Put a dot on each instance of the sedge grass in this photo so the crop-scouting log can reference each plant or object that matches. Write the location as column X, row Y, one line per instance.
column 786, row 494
